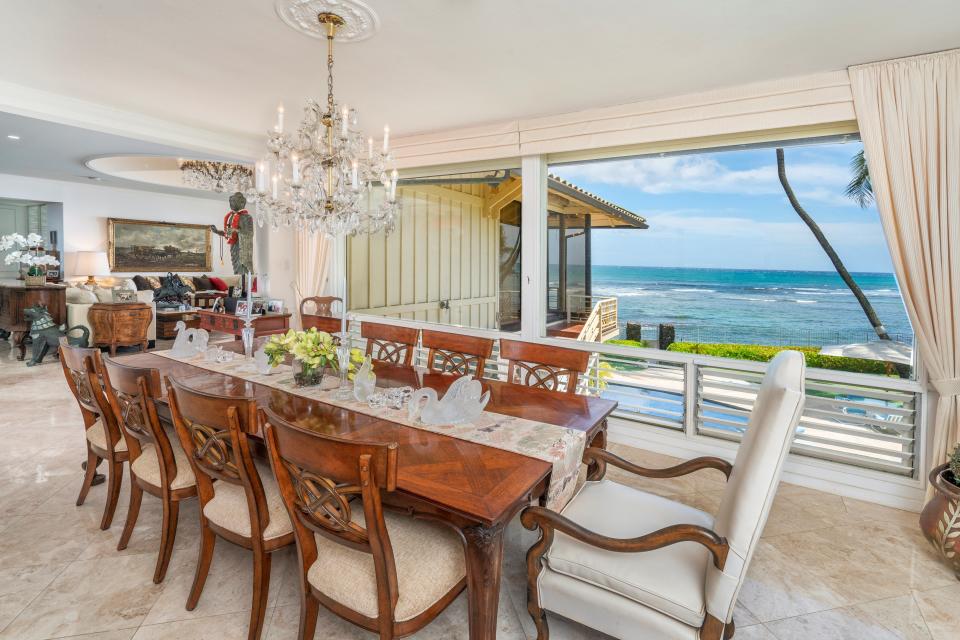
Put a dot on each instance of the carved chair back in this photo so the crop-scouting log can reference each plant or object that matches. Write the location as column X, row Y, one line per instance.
column 213, row 432
column 320, row 478
column 326, row 324
column 752, row 486
column 544, row 366
column 455, row 353
column 322, row 305
column 132, row 392
column 388, row 343
column 83, row 369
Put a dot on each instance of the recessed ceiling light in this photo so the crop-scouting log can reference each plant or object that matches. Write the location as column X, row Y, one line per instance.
column 13, row 137
column 97, row 178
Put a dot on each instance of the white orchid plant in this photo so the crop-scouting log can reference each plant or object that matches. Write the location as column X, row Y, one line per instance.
column 26, row 250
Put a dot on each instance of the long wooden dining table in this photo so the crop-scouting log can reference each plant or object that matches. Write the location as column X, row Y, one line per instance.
column 476, row 488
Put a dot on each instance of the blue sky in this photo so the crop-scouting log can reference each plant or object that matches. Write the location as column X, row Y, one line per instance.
column 727, row 209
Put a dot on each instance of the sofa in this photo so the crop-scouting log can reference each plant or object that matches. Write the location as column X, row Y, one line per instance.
column 80, row 298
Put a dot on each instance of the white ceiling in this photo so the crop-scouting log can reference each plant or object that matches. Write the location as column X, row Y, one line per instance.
column 224, row 64
column 61, row 152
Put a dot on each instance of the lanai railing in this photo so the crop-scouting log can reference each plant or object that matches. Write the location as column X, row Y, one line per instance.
column 599, row 316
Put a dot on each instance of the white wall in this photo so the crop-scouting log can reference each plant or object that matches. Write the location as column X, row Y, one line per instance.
column 87, row 207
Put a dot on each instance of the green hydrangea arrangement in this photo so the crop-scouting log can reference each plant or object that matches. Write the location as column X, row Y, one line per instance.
column 316, row 350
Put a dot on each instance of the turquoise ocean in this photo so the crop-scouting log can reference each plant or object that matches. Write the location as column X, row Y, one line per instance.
column 752, row 306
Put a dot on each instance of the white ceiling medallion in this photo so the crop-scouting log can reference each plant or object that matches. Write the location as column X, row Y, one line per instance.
column 360, row 21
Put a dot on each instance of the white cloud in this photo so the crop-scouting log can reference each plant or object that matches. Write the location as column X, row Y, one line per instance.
column 823, row 182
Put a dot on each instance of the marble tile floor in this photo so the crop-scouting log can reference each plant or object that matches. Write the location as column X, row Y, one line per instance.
column 827, row 567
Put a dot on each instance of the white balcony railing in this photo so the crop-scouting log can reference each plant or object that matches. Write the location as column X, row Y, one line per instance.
column 867, row 421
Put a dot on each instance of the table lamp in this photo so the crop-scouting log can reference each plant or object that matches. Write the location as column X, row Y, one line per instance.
column 92, row 263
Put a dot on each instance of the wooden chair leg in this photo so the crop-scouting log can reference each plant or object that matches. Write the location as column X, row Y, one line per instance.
column 712, row 629
column 171, row 513
column 729, row 630
column 114, row 480
column 133, row 512
column 309, row 608
column 261, row 589
column 88, row 474
column 208, row 540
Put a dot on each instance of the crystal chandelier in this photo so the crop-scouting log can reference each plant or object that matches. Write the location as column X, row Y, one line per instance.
column 215, row 176
column 323, row 176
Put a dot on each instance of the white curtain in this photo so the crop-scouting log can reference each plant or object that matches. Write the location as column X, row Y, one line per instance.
column 909, row 116
column 314, row 253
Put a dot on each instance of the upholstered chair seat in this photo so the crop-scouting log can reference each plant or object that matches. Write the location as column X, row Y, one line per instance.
column 429, row 560
column 228, row 507
column 147, row 467
column 669, row 580
column 97, row 436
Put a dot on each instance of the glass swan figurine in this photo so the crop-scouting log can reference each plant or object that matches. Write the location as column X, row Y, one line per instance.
column 463, row 402
column 189, row 341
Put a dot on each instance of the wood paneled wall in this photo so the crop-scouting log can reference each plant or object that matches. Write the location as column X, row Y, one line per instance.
column 444, row 249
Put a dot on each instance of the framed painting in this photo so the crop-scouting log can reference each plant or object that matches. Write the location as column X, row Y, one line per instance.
column 145, row 246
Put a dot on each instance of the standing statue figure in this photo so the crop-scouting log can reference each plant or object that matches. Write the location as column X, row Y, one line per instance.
column 238, row 231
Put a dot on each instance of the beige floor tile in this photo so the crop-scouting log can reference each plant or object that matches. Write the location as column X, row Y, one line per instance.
column 119, row 634
column 47, row 539
column 891, row 619
column 755, row 632
column 90, row 596
column 228, row 589
column 941, row 611
column 221, row 627
column 18, row 588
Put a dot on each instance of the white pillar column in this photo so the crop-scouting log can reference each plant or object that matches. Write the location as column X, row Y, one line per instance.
column 533, row 248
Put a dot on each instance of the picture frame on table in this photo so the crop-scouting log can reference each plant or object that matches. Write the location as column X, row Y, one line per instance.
column 242, row 309
column 258, row 306
column 124, row 296
column 274, row 306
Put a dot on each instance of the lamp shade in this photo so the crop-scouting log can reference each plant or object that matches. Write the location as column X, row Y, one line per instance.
column 92, row 263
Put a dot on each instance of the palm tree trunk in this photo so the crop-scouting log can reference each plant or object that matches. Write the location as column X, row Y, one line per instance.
column 828, row 249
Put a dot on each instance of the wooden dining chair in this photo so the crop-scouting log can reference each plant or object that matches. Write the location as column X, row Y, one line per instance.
column 390, row 573
column 388, row 343
column 456, row 353
column 244, row 505
column 634, row 564
column 326, row 324
column 544, row 366
column 158, row 465
column 322, row 306
column 83, row 370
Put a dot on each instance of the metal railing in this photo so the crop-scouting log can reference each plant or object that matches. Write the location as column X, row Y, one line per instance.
column 863, row 420
column 774, row 335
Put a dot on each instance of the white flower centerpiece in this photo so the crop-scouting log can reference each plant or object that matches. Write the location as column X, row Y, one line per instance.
column 28, row 251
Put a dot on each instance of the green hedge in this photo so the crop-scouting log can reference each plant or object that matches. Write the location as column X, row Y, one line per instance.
column 763, row 353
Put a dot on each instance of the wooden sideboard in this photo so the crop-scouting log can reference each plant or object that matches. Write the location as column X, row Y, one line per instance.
column 117, row 324
column 15, row 296
column 264, row 325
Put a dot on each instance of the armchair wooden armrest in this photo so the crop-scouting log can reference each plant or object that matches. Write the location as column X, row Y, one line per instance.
column 549, row 521
column 600, row 457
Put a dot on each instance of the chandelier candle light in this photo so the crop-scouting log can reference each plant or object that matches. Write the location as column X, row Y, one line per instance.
column 325, row 176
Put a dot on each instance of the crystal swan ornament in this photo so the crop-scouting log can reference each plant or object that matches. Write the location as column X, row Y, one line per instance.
column 463, row 402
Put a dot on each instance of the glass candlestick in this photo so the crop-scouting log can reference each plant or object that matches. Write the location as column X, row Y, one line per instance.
column 247, row 334
column 345, row 390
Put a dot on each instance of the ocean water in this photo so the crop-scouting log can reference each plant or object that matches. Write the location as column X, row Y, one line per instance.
column 752, row 306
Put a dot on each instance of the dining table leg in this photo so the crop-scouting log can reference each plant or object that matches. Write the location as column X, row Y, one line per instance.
column 484, row 556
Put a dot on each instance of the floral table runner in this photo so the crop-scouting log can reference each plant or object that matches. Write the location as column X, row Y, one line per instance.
column 560, row 446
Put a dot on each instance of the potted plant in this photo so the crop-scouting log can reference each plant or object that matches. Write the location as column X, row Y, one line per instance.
column 940, row 519
column 314, row 353
column 28, row 251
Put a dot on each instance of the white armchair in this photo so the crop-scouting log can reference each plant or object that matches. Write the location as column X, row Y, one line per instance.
column 636, row 565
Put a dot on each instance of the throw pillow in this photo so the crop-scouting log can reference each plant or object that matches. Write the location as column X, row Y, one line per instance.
column 142, row 283
column 154, row 282
column 218, row 283
column 128, row 284
column 78, row 295
column 103, row 294
column 188, row 283
column 203, row 283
